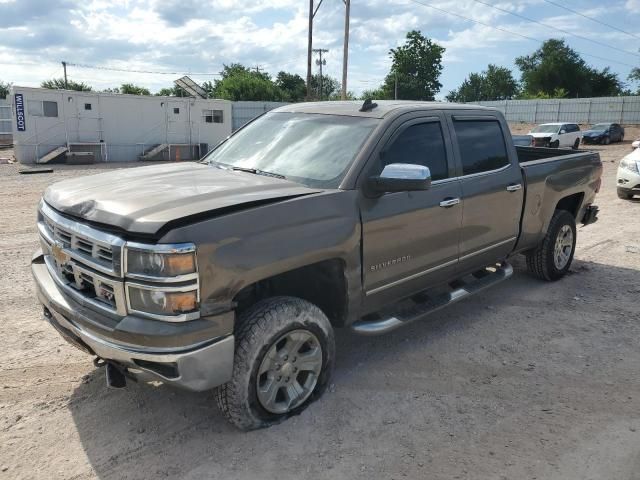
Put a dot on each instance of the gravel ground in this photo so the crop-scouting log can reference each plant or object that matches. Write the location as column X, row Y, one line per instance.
column 531, row 380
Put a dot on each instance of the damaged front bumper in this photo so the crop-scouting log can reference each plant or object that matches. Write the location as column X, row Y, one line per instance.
column 200, row 366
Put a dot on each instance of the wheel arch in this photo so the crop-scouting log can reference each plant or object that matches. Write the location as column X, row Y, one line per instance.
column 323, row 284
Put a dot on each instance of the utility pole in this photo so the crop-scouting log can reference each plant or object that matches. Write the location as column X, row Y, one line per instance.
column 320, row 62
column 345, row 54
column 312, row 14
column 395, row 94
column 64, row 66
column 258, row 68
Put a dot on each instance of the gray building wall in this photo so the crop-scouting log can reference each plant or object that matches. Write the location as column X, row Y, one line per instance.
column 244, row 112
column 125, row 125
column 625, row 110
column 6, row 128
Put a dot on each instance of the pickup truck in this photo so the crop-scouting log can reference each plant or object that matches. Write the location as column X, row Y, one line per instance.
column 232, row 273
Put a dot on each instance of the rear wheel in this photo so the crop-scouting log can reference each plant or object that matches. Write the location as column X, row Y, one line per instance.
column 552, row 258
column 283, row 360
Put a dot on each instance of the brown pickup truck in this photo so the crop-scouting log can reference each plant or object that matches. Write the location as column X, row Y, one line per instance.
column 233, row 273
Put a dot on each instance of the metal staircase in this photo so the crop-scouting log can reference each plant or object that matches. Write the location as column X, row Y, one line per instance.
column 52, row 155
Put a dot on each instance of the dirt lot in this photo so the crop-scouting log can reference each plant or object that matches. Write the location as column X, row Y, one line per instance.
column 531, row 380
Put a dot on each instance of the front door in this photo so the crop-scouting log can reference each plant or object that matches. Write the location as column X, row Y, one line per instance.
column 492, row 190
column 410, row 239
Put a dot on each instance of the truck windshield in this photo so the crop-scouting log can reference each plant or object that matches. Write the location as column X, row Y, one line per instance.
column 546, row 129
column 312, row 149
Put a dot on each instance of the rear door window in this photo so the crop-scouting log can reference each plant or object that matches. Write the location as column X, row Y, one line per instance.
column 481, row 144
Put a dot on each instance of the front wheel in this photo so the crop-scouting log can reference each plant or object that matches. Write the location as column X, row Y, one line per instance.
column 551, row 259
column 606, row 140
column 555, row 144
column 283, row 361
column 576, row 144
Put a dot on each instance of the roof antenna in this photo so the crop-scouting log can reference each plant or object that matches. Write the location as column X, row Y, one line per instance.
column 368, row 105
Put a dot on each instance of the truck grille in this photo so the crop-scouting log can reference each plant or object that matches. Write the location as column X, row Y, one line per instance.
column 85, row 261
column 97, row 249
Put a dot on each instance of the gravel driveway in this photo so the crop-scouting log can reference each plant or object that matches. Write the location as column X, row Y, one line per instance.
column 531, row 380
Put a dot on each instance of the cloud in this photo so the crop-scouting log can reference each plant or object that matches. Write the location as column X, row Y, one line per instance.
column 202, row 35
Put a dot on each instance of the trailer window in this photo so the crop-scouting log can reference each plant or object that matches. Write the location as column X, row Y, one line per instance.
column 39, row 108
column 482, row 146
column 212, row 116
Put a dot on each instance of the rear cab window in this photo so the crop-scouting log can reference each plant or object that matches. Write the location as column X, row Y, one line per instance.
column 481, row 145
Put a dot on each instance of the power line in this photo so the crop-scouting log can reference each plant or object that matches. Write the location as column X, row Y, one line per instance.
column 523, row 17
column 98, row 67
column 593, row 19
column 537, row 40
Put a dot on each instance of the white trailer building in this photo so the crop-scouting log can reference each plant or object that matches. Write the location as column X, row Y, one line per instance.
column 105, row 127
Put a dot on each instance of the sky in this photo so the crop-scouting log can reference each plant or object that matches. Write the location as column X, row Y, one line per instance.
column 197, row 37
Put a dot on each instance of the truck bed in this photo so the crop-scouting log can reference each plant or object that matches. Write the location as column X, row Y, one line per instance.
column 549, row 175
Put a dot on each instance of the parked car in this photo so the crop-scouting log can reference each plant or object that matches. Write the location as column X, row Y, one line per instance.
column 635, row 143
column 556, row 135
column 522, row 140
column 603, row 133
column 628, row 178
column 235, row 271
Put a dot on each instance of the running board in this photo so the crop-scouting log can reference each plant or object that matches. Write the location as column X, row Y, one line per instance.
column 481, row 280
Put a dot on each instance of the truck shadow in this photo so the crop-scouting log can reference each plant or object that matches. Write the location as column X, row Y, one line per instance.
column 147, row 431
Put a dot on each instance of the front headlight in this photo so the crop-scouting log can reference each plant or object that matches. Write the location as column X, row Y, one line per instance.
column 160, row 261
column 171, row 304
column 629, row 164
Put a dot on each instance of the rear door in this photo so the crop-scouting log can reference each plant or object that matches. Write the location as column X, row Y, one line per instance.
column 410, row 239
column 492, row 189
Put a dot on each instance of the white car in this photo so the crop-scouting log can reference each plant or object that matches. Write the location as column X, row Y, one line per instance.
column 628, row 180
column 556, row 135
column 635, row 144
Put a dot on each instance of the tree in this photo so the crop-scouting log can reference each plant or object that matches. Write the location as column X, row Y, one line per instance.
column 495, row 83
column 373, row 94
column 131, row 89
column 4, row 89
column 330, row 87
column 58, row 84
column 292, row 86
column 174, row 91
column 238, row 83
column 557, row 66
column 417, row 65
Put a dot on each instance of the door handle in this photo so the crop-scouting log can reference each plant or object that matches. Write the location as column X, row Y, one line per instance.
column 514, row 187
column 449, row 202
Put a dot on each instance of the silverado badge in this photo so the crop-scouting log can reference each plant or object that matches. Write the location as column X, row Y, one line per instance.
column 57, row 250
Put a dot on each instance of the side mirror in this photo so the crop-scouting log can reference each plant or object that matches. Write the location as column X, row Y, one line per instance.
column 562, row 131
column 401, row 177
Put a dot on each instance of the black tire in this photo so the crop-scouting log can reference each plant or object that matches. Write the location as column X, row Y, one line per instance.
column 576, row 144
column 257, row 331
column 555, row 144
column 606, row 141
column 624, row 195
column 540, row 261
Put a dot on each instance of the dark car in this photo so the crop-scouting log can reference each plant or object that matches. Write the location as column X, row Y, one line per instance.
column 604, row 133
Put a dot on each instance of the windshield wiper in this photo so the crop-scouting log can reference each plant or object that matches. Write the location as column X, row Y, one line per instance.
column 255, row 171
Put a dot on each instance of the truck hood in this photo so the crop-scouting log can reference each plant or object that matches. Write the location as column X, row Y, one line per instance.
column 143, row 200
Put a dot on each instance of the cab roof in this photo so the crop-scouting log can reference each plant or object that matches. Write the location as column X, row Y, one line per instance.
column 383, row 108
